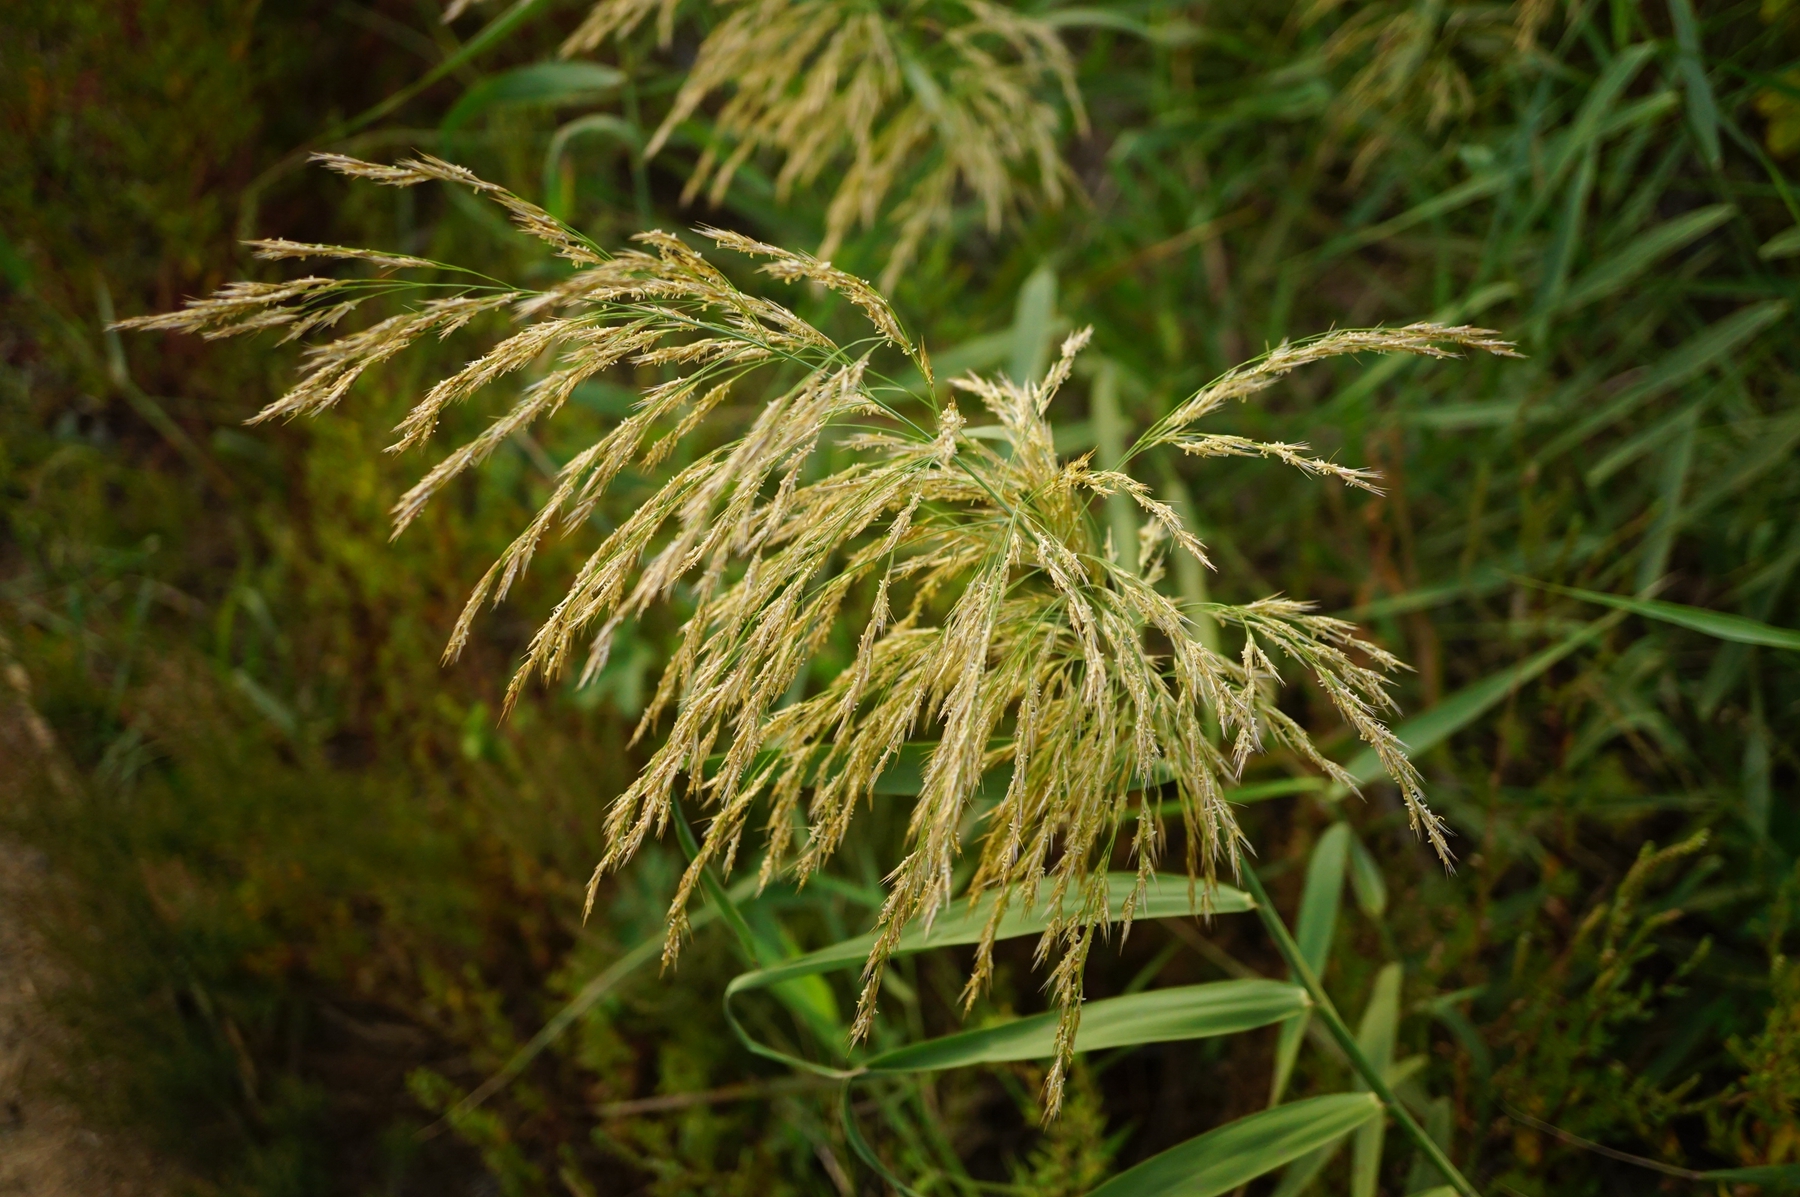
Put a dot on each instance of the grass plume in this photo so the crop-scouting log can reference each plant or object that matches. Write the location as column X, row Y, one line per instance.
column 993, row 618
column 915, row 108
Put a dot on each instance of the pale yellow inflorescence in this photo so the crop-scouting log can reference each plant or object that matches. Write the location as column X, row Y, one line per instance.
column 997, row 622
column 915, row 104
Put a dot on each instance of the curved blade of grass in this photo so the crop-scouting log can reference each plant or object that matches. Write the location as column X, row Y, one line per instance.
column 1319, row 903
column 1366, row 881
column 1720, row 625
column 962, row 923
column 1159, row 1016
column 1703, row 106
column 1781, row 245
column 543, row 83
column 1034, row 320
column 605, row 124
column 1613, row 273
column 1710, row 345
column 1426, row 731
column 489, row 36
column 1241, row 1151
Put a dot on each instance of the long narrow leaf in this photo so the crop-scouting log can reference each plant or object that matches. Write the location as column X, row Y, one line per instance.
column 1719, row 624
column 1313, row 931
column 1366, row 881
column 1427, row 731
column 1241, row 1151
column 1160, row 1016
column 1613, row 273
column 542, row 83
column 1703, row 106
column 1710, row 345
column 963, row 924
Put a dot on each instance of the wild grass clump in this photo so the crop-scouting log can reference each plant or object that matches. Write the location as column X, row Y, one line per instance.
column 998, row 622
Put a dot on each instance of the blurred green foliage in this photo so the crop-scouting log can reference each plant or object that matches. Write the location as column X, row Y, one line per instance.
column 313, row 894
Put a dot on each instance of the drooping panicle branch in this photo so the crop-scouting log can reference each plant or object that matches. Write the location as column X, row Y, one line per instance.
column 1061, row 697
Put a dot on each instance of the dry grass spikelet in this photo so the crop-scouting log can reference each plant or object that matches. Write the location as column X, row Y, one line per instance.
column 916, row 104
column 986, row 614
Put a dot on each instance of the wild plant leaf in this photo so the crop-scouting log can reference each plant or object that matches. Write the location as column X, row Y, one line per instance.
column 1701, row 351
column 1375, row 1035
column 1616, row 271
column 1442, row 204
column 1721, row 625
column 1033, row 326
column 1159, row 1016
column 1426, row 731
column 541, row 83
column 1784, row 244
column 1672, row 485
column 488, row 36
column 1313, row 931
column 1771, row 448
column 1703, row 106
column 1366, row 881
column 1649, row 440
column 1423, row 1177
column 1301, row 1174
column 595, row 124
column 1781, row 1178
column 963, row 923
column 1590, row 119
column 1238, row 1152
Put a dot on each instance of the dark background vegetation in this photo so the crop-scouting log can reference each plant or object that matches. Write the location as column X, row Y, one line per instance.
column 312, row 892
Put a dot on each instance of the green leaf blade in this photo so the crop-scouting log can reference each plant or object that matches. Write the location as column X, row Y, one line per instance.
column 1159, row 1016
column 1221, row 1160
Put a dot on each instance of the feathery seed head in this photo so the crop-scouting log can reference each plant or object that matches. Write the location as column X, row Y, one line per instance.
column 1024, row 652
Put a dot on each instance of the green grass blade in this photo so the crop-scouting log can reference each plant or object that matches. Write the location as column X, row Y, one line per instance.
column 489, row 36
column 1590, row 121
column 963, row 924
column 1221, row 1160
column 1426, row 731
column 1781, row 245
column 1703, row 106
column 1317, row 924
column 1678, row 462
column 1375, row 1035
column 1366, row 881
column 541, row 83
column 1611, row 275
column 1705, row 348
column 1321, row 898
column 1159, row 1016
column 1034, row 320
column 1445, row 202
column 604, row 124
column 1779, row 1178
column 1720, row 625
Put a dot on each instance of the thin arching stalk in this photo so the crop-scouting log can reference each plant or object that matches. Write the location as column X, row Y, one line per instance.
column 1340, row 1032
